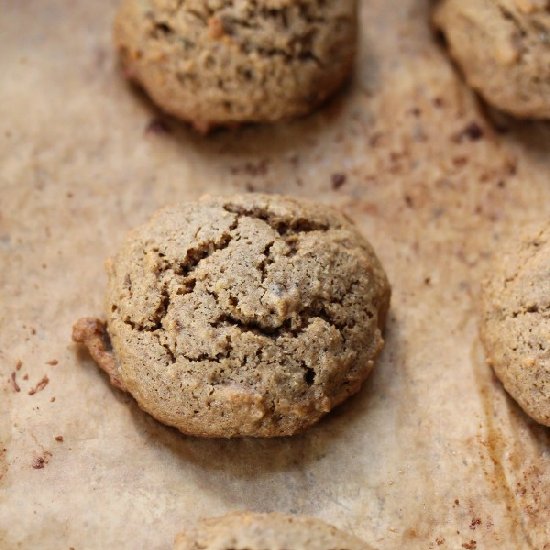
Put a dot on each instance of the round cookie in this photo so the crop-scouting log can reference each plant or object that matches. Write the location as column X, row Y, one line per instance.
column 251, row 315
column 516, row 322
column 214, row 62
column 246, row 530
column 503, row 49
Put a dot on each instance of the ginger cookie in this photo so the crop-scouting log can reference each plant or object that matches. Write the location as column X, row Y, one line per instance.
column 250, row 531
column 503, row 49
column 251, row 315
column 516, row 322
column 220, row 63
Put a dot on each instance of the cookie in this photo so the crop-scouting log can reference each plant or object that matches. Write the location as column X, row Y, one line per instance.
column 246, row 530
column 220, row 63
column 252, row 315
column 503, row 49
column 516, row 322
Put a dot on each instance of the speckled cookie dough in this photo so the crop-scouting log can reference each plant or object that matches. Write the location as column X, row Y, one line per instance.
column 252, row 315
column 516, row 322
column 240, row 530
column 221, row 62
column 503, row 49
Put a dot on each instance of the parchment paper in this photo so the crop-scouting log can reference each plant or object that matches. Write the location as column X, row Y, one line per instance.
column 431, row 454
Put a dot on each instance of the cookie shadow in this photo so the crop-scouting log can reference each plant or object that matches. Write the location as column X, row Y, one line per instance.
column 269, row 139
column 278, row 473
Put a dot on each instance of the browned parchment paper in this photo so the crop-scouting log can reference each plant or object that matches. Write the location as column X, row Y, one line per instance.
column 431, row 454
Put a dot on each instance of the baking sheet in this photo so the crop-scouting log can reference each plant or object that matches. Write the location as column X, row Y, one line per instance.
column 431, row 454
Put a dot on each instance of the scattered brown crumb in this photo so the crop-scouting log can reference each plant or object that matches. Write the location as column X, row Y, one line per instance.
column 472, row 545
column 376, row 139
column 33, row 331
column 25, row 377
column 157, row 126
column 259, row 168
column 18, row 364
column 337, row 180
column 40, row 461
column 14, row 383
column 40, row 385
column 460, row 160
column 472, row 132
column 439, row 541
column 59, row 438
column 437, row 102
column 457, row 502
column 52, row 400
column 475, row 523
column 52, row 362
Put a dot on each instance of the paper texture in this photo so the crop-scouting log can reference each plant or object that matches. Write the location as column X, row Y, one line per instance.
column 431, row 454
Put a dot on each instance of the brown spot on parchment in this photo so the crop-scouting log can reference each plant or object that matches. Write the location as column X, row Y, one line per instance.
column 40, row 461
column 40, row 385
column 14, row 383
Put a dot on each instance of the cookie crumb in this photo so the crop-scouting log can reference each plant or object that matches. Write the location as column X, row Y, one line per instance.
column 18, row 364
column 40, row 461
column 472, row 545
column 52, row 362
column 59, row 438
column 52, row 400
column 25, row 377
column 475, row 522
column 337, row 180
column 472, row 132
column 14, row 383
column 40, row 385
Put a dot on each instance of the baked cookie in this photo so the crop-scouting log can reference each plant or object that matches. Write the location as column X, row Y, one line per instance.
column 516, row 322
column 503, row 49
column 249, row 531
column 214, row 62
column 252, row 315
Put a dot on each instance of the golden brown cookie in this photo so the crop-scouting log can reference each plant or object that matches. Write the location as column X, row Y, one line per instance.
column 251, row 315
column 516, row 322
column 249, row 531
column 503, row 49
column 214, row 62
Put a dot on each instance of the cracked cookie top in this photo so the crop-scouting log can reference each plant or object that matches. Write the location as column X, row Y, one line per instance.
column 503, row 49
column 216, row 62
column 265, row 532
column 245, row 316
column 516, row 322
